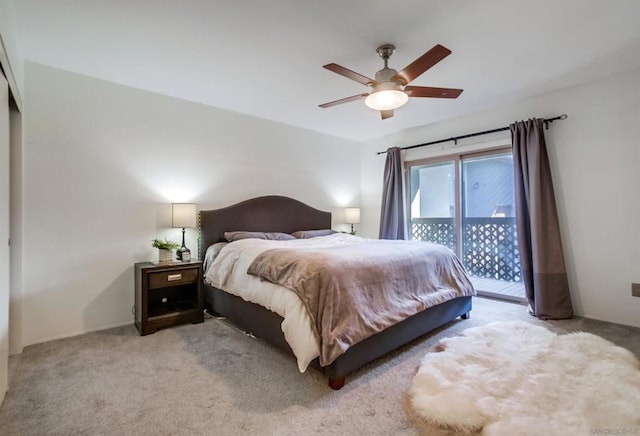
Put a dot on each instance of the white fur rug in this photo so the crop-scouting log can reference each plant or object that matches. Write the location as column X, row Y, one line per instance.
column 514, row 378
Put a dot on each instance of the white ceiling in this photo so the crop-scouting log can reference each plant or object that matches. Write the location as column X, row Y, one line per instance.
column 265, row 57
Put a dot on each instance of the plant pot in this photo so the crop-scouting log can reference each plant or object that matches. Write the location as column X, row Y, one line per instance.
column 165, row 255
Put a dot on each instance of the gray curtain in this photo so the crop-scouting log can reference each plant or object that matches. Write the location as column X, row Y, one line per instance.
column 541, row 254
column 393, row 223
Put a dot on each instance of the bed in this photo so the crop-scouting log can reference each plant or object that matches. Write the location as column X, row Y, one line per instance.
column 286, row 215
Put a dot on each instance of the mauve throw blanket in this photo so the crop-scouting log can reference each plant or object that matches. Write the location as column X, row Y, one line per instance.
column 354, row 291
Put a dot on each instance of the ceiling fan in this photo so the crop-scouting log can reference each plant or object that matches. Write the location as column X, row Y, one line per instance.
column 390, row 89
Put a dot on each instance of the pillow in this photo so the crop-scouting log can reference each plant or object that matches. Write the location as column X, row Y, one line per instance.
column 274, row 236
column 307, row 234
column 211, row 254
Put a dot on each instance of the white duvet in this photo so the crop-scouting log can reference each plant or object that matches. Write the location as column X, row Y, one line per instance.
column 229, row 272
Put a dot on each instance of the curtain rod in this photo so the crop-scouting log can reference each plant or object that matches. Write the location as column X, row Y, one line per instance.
column 470, row 135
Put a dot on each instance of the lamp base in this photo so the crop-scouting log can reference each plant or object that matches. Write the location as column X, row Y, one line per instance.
column 183, row 254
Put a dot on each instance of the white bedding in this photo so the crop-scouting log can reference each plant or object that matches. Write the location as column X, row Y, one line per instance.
column 229, row 272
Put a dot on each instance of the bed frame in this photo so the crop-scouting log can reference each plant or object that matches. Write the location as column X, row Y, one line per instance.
column 283, row 214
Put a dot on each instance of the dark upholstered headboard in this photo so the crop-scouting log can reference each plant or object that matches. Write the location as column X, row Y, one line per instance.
column 272, row 213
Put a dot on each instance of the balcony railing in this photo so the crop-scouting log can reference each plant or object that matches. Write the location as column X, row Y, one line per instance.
column 489, row 245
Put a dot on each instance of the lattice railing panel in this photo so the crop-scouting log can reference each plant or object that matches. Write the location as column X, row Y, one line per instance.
column 489, row 247
column 439, row 230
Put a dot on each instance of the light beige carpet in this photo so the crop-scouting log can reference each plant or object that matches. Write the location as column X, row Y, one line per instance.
column 210, row 379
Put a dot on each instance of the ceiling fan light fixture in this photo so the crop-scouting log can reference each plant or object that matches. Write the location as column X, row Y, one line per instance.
column 386, row 99
column 390, row 89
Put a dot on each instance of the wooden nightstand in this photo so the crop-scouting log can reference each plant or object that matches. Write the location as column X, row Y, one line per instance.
column 167, row 294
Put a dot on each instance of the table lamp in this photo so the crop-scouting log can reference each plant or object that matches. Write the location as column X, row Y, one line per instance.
column 183, row 215
column 352, row 216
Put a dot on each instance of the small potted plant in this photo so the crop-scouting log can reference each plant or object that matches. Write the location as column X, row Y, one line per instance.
column 165, row 249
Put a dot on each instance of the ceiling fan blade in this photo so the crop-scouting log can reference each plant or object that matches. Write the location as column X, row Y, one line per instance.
column 422, row 64
column 386, row 114
column 343, row 100
column 428, row 91
column 350, row 74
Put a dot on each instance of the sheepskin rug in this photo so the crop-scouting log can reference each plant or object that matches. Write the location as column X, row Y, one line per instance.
column 514, row 378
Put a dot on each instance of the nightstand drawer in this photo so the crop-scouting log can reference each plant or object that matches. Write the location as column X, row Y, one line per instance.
column 173, row 278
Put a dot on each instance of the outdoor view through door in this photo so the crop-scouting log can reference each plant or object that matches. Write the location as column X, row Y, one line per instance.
column 466, row 203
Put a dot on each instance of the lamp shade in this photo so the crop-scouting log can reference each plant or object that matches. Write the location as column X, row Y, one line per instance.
column 352, row 215
column 183, row 215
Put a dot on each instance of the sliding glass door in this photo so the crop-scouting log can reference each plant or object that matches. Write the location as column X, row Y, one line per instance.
column 467, row 203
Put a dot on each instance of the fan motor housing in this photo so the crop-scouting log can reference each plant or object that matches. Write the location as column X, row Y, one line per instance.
column 385, row 74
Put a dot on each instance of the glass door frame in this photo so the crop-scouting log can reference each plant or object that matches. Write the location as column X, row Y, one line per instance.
column 457, row 160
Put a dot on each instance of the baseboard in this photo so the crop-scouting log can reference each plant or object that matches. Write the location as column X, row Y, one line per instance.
column 70, row 335
column 17, row 350
column 502, row 297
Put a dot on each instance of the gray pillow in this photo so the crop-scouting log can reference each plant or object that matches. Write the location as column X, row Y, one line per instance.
column 307, row 234
column 274, row 236
column 211, row 254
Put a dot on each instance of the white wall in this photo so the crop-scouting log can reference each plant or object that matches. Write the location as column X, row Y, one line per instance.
column 594, row 157
column 103, row 162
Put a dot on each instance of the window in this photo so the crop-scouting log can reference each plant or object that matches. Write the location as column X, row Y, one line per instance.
column 466, row 202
